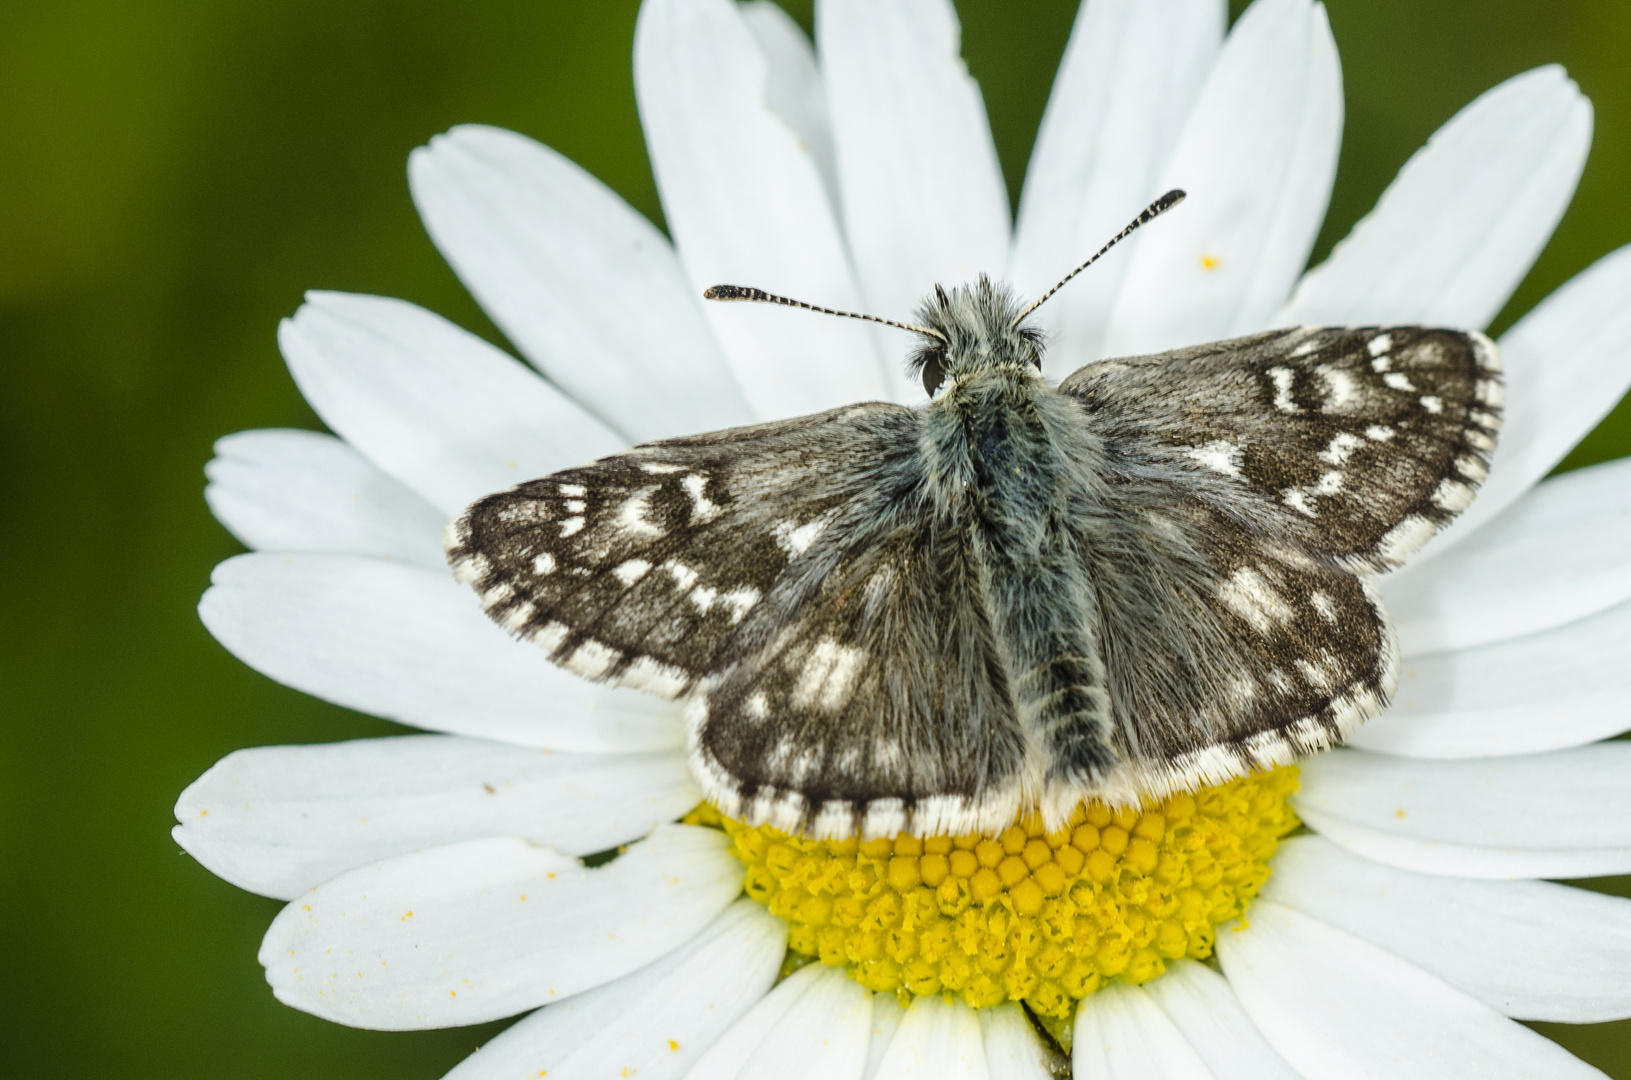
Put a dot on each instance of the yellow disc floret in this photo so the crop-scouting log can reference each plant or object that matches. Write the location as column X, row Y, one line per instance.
column 1025, row 915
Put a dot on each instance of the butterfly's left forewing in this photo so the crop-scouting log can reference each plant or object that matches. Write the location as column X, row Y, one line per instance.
column 789, row 577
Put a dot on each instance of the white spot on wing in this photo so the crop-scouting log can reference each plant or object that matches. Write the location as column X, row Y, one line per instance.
column 1341, row 448
column 1432, row 403
column 633, row 570
column 574, row 491
column 828, row 675
column 572, row 526
column 740, row 600
column 1405, row 537
column 1248, row 594
column 655, row 677
column 659, row 469
column 684, row 576
column 1283, row 377
column 1219, row 456
column 1452, row 495
column 1379, row 432
column 1399, row 381
column 703, row 598
column 1341, row 389
column 796, row 539
column 758, row 706
column 1379, row 344
column 544, row 564
column 703, row 510
column 576, row 506
column 631, row 516
column 1324, row 605
column 592, row 659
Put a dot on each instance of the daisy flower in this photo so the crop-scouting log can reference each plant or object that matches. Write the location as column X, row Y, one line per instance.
column 440, row 879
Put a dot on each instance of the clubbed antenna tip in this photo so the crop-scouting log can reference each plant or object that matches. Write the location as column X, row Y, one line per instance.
column 747, row 292
column 1151, row 212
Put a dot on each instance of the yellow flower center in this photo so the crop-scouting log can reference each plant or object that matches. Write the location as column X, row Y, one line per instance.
column 1043, row 918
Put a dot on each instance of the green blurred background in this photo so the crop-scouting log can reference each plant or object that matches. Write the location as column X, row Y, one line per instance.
column 173, row 173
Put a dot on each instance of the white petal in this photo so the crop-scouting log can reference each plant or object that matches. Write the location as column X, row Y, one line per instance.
column 1257, row 156
column 1012, row 1049
column 814, row 1025
column 412, row 645
column 1562, row 814
column 886, row 1017
column 1130, row 75
column 431, row 404
column 1529, row 949
column 1563, row 687
column 1459, row 227
column 1121, row 1034
column 278, row 820
column 1340, row 1009
column 1558, row 555
column 745, row 204
column 794, row 91
column 1567, row 362
column 1206, row 1012
column 655, row 1023
column 587, row 289
column 938, row 1040
column 921, row 190
column 304, row 491
column 489, row 928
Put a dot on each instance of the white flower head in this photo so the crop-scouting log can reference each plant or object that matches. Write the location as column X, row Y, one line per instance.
column 437, row 880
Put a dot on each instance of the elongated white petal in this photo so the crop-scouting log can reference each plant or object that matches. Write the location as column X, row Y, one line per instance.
column 1567, row 362
column 746, row 205
column 814, row 1025
column 433, row 405
column 489, row 928
column 279, row 820
column 412, row 645
column 794, row 90
column 588, row 290
column 1459, row 227
column 1528, row 949
column 725, row 1059
column 886, row 1017
column 938, row 1040
column 1338, row 1008
column 1012, row 1049
column 1206, row 1012
column 655, row 1023
column 1558, row 555
column 922, row 193
column 1562, row 814
column 304, row 491
column 1257, row 156
column 1121, row 1034
column 1130, row 75
column 1564, row 687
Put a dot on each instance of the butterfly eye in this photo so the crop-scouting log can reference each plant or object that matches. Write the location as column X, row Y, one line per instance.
column 933, row 373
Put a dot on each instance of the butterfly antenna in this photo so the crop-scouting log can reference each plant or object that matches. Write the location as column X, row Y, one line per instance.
column 1151, row 212
column 759, row 296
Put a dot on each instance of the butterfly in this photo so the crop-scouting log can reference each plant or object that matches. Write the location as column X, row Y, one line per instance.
column 1157, row 574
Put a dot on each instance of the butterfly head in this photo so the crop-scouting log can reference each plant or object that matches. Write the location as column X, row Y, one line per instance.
column 973, row 328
